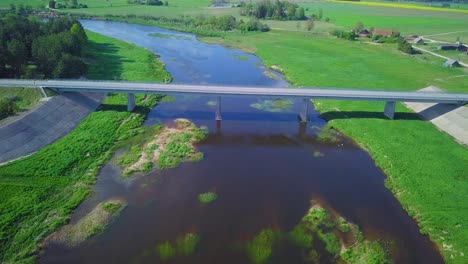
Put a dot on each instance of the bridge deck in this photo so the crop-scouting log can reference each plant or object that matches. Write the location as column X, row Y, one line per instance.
column 306, row 93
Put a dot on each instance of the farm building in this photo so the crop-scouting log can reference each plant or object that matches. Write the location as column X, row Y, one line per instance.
column 411, row 37
column 364, row 33
column 451, row 63
column 419, row 41
column 459, row 47
column 383, row 32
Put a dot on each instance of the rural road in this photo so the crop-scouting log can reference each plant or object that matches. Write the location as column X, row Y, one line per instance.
column 438, row 55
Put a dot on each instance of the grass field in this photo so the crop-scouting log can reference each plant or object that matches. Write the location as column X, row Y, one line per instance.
column 26, row 96
column 426, row 168
column 405, row 6
column 407, row 21
column 39, row 192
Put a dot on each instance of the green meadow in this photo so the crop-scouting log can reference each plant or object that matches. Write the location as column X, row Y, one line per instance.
column 407, row 21
column 40, row 191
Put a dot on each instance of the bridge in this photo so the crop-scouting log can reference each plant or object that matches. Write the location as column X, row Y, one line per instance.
column 131, row 88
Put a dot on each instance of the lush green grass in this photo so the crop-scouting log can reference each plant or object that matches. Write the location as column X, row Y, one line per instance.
column 407, row 21
column 40, row 191
column 175, row 8
column 426, row 168
column 207, row 197
column 312, row 60
column 25, row 96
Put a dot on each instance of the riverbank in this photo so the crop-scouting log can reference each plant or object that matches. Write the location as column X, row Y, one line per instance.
column 40, row 191
column 425, row 168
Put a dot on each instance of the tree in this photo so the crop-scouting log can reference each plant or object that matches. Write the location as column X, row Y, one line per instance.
column 74, row 3
column 320, row 14
column 405, row 47
column 7, row 107
column 78, row 31
column 300, row 13
column 358, row 27
column 69, row 66
column 291, row 12
column 52, row 4
column 18, row 55
column 310, row 24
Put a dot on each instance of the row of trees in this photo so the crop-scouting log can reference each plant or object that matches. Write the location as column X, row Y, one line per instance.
column 32, row 48
column 277, row 10
column 225, row 23
column 148, row 2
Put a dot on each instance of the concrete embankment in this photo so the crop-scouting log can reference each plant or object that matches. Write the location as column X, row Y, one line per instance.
column 51, row 121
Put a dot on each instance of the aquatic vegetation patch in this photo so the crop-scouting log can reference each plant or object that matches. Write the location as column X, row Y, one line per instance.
column 187, row 244
column 91, row 224
column 328, row 135
column 166, row 250
column 169, row 36
column 318, row 154
column 260, row 248
column 240, row 57
column 211, row 103
column 166, row 148
column 168, row 99
column 270, row 75
column 207, row 197
column 330, row 230
column 367, row 252
column 274, row 106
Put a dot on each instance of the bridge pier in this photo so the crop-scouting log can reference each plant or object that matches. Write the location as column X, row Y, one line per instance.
column 218, row 110
column 390, row 109
column 131, row 102
column 304, row 111
column 43, row 91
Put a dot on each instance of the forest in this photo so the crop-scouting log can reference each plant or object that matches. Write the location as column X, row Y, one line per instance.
column 32, row 48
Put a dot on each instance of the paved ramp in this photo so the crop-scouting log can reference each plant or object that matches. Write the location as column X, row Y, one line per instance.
column 51, row 121
column 453, row 119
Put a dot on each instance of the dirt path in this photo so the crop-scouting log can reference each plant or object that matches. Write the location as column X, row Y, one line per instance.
column 438, row 55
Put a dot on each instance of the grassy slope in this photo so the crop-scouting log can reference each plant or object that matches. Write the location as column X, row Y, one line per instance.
column 26, row 96
column 426, row 169
column 39, row 192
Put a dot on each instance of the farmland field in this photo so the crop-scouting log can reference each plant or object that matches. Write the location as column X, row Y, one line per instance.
column 407, row 21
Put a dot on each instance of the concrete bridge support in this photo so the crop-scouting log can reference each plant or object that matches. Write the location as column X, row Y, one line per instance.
column 218, row 109
column 131, row 102
column 390, row 109
column 43, row 92
column 304, row 111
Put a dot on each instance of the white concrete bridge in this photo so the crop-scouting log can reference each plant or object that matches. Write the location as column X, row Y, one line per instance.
column 389, row 97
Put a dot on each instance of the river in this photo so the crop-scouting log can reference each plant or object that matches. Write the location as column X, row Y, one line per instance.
column 259, row 159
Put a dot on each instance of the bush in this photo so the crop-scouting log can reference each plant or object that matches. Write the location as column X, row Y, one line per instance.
column 8, row 107
column 349, row 35
column 405, row 47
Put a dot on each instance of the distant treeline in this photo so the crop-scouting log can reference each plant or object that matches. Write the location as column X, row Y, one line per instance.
column 201, row 24
column 148, row 2
column 277, row 10
column 31, row 48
